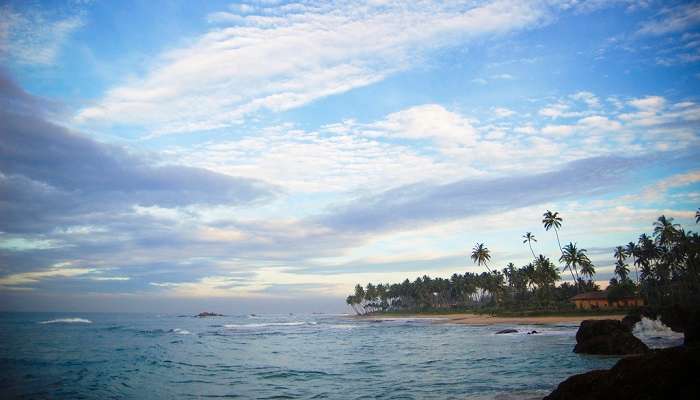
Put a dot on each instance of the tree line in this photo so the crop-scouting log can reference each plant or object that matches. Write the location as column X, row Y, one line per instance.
column 666, row 266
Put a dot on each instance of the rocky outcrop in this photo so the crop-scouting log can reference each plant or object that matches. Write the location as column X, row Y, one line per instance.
column 630, row 320
column 607, row 336
column 507, row 331
column 208, row 314
column 660, row 374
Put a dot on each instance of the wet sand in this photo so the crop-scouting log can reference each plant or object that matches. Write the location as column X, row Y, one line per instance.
column 478, row 319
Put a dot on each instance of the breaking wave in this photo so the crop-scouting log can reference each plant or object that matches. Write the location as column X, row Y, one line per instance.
column 654, row 333
column 67, row 321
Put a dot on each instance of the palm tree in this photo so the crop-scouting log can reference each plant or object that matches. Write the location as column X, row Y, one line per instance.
column 633, row 251
column 620, row 253
column 552, row 220
column 621, row 270
column 665, row 230
column 481, row 255
column 573, row 257
column 588, row 269
column 529, row 238
column 697, row 216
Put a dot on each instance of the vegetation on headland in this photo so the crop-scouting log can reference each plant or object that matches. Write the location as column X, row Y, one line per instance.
column 666, row 266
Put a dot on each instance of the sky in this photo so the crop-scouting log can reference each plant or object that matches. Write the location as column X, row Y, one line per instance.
column 267, row 156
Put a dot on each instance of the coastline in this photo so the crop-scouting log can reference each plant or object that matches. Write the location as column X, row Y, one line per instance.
column 480, row 319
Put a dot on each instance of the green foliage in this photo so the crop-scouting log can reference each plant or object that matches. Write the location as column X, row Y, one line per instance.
column 667, row 269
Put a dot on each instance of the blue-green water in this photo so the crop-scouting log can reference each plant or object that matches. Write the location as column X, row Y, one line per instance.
column 278, row 357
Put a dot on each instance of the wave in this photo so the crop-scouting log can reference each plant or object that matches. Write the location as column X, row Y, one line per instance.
column 67, row 321
column 654, row 333
column 180, row 331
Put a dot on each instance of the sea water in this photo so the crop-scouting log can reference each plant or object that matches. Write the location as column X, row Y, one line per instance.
column 101, row 356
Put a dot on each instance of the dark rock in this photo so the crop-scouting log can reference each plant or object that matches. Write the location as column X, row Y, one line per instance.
column 208, row 314
column 607, row 336
column 660, row 374
column 631, row 320
column 507, row 331
column 532, row 333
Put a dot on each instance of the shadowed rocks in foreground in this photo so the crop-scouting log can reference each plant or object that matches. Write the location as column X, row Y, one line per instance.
column 659, row 374
column 609, row 337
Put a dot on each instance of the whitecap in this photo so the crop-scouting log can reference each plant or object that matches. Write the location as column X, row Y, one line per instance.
column 654, row 333
column 181, row 331
column 67, row 321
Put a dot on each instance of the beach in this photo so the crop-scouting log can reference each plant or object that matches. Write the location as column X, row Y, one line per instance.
column 481, row 319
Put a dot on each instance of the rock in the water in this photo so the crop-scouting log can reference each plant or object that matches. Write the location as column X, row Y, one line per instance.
column 532, row 333
column 660, row 374
column 607, row 337
column 631, row 320
column 507, row 331
column 208, row 314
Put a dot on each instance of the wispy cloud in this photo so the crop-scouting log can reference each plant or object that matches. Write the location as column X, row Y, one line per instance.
column 672, row 19
column 275, row 60
column 33, row 35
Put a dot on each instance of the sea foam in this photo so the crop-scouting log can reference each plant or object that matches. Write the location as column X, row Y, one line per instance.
column 654, row 333
column 67, row 321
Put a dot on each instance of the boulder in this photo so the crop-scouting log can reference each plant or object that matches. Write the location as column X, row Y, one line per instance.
column 507, row 331
column 208, row 314
column 607, row 336
column 630, row 320
column 660, row 374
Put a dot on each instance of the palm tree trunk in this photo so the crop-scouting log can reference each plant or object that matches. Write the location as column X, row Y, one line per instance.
column 562, row 253
column 532, row 251
column 558, row 242
column 572, row 276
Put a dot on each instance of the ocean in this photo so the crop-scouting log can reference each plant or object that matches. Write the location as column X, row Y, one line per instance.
column 290, row 356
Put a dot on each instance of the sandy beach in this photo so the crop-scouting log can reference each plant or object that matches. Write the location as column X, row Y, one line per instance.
column 477, row 319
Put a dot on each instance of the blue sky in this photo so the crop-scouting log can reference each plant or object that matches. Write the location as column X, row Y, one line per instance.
column 268, row 155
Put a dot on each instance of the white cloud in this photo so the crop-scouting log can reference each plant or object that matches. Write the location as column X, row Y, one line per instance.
column 600, row 123
column 672, row 19
column 430, row 121
column 431, row 142
column 559, row 110
column 587, row 97
column 503, row 112
column 62, row 270
column 649, row 103
column 274, row 63
column 558, row 130
column 506, row 77
column 34, row 36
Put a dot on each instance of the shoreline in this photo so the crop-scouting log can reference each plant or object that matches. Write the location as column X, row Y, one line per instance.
column 479, row 319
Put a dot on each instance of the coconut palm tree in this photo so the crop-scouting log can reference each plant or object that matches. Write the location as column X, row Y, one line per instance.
column 697, row 216
column 588, row 269
column 552, row 220
column 620, row 253
column 573, row 257
column 621, row 270
column 665, row 230
column 529, row 238
column 481, row 255
column 633, row 251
